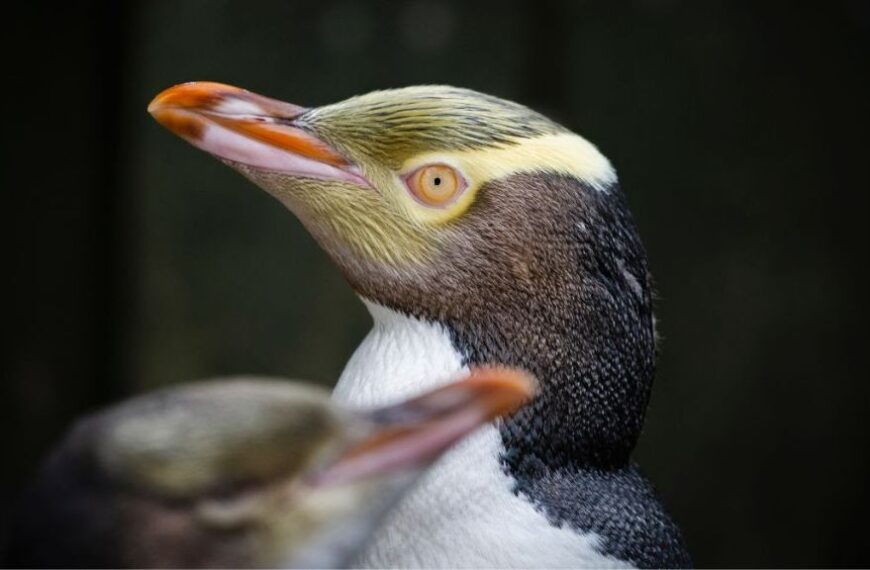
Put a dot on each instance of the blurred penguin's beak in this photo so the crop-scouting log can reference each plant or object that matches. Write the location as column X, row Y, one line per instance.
column 413, row 434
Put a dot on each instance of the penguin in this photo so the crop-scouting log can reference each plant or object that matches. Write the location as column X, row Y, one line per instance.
column 476, row 231
column 243, row 472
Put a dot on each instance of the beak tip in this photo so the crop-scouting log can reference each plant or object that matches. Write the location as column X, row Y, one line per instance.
column 192, row 94
column 520, row 382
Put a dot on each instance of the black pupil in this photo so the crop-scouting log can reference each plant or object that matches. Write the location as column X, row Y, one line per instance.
column 437, row 181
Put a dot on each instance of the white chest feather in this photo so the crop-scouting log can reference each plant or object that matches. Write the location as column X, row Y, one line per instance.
column 462, row 514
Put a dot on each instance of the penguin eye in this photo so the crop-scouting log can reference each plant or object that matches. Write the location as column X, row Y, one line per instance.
column 435, row 184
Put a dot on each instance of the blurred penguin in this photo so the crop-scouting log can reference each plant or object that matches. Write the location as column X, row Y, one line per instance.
column 246, row 472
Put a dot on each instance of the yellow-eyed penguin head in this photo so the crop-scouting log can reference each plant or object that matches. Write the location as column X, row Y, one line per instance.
column 474, row 212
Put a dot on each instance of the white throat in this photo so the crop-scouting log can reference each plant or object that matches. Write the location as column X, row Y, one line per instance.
column 463, row 513
column 400, row 358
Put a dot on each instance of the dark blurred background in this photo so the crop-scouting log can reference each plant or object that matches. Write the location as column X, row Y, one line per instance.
column 739, row 130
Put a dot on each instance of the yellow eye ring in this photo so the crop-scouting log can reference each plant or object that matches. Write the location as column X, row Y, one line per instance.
column 435, row 185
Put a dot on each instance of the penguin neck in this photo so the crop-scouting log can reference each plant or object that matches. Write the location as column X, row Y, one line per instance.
column 578, row 418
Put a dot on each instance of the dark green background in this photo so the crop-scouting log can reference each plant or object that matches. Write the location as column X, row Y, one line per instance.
column 739, row 132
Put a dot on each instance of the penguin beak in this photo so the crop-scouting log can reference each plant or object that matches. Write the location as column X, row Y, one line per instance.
column 241, row 127
column 413, row 434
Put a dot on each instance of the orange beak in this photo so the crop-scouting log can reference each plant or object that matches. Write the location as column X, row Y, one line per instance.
column 241, row 127
column 416, row 432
